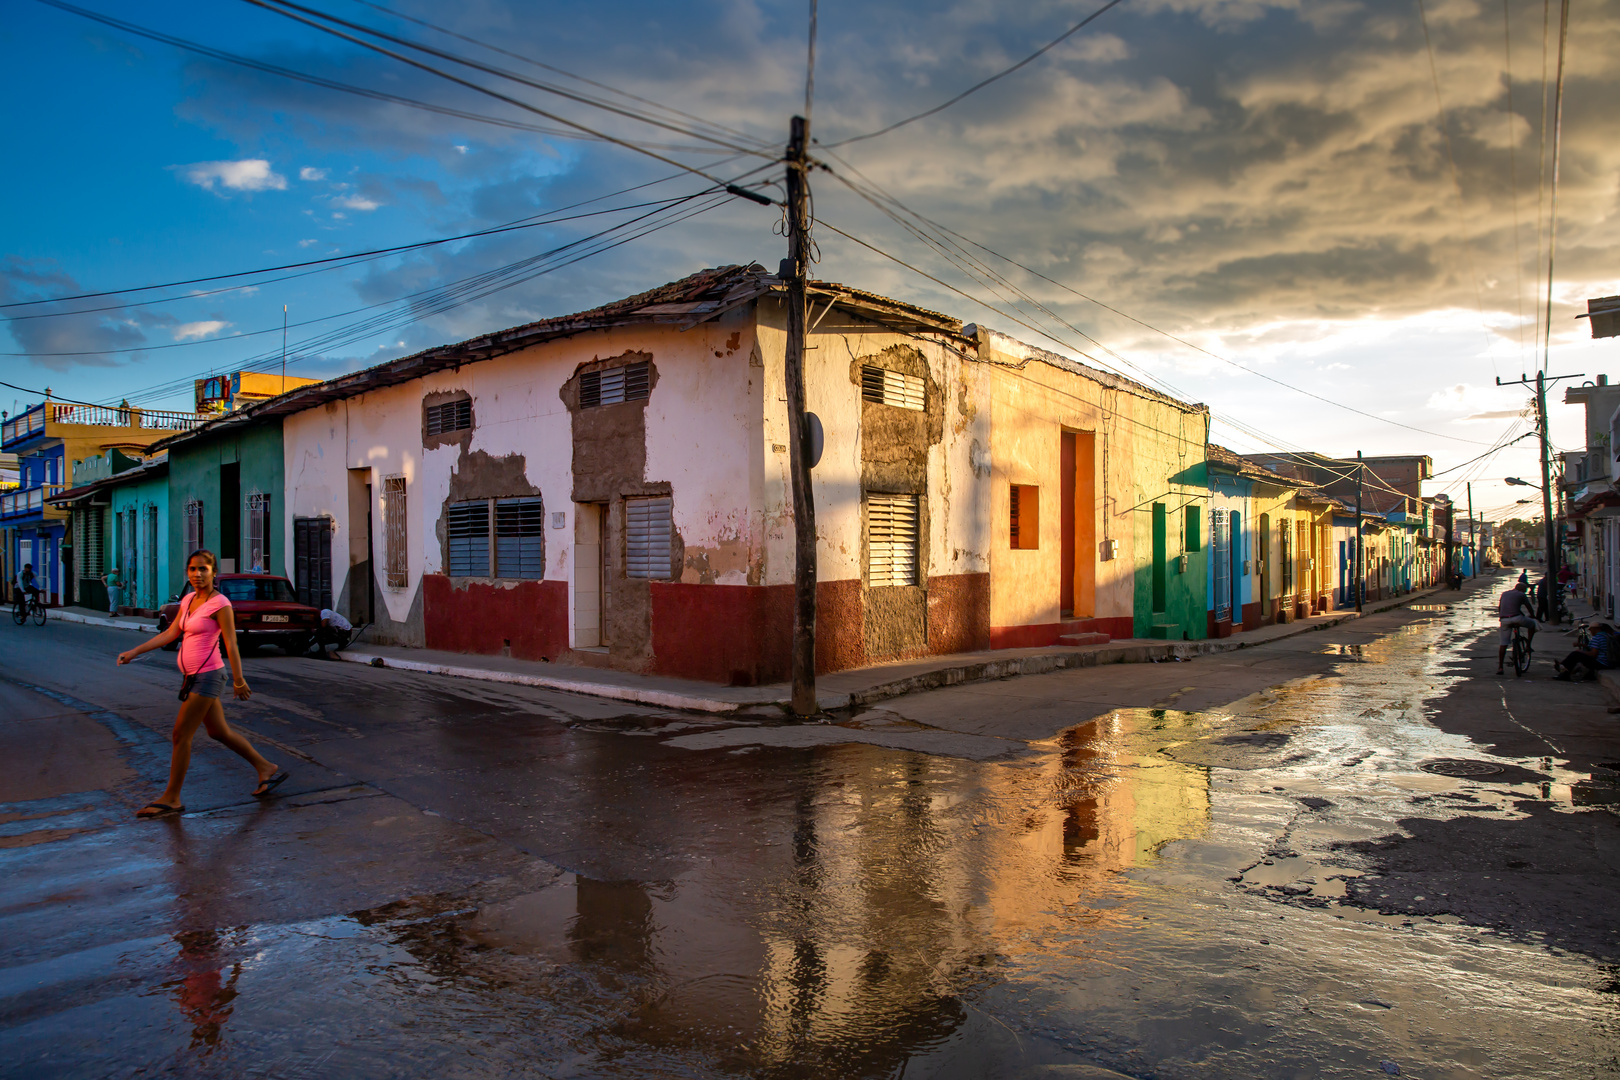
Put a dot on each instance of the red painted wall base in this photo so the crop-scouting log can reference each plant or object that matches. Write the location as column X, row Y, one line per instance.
column 527, row 620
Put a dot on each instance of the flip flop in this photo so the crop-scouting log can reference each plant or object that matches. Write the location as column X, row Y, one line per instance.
column 163, row 810
column 267, row 786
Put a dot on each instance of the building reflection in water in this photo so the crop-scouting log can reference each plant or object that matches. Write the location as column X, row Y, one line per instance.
column 841, row 927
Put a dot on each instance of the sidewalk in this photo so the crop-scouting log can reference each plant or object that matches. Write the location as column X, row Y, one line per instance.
column 843, row 689
column 90, row 617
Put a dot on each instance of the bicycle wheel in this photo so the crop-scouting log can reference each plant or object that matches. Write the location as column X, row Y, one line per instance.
column 39, row 614
column 19, row 613
column 1521, row 656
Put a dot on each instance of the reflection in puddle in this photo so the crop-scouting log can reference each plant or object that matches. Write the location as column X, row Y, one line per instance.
column 1154, row 892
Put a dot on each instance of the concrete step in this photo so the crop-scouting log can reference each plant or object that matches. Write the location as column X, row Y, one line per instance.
column 1165, row 631
column 1092, row 638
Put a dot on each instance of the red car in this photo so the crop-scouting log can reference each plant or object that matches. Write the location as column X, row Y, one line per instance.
column 267, row 612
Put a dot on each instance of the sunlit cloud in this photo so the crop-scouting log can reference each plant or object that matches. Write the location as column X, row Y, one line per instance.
column 196, row 331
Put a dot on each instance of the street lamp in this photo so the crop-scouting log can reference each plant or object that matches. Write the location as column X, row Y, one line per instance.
column 1514, row 481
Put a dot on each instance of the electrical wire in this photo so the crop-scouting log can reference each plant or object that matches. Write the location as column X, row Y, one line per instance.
column 265, row 67
column 976, row 87
column 560, row 71
column 312, row 18
column 885, row 197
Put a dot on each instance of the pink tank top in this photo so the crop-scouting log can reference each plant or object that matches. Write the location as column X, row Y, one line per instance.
column 199, row 635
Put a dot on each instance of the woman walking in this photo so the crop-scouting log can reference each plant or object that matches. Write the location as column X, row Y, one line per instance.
column 205, row 620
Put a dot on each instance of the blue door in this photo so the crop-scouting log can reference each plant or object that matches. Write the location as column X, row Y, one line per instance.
column 1220, row 538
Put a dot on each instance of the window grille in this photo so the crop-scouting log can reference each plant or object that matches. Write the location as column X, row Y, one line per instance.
column 1024, row 508
column 1220, row 545
column 312, row 561
column 396, row 563
column 892, row 388
column 259, row 533
column 449, row 416
column 648, row 527
column 466, row 535
column 891, row 540
column 614, row 385
column 520, row 539
column 194, row 526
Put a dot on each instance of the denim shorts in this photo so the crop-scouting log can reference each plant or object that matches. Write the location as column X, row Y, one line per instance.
column 212, row 683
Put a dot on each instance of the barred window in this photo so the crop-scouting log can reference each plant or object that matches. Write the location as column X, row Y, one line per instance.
column 892, row 535
column 449, row 416
column 614, row 385
column 648, row 526
column 259, row 533
column 1025, row 516
column 396, row 562
column 466, row 534
column 194, row 526
column 895, row 388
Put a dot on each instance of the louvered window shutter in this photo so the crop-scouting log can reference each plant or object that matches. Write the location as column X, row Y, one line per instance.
column 466, row 534
column 892, row 538
column 613, row 386
column 648, row 528
column 520, row 538
column 892, row 388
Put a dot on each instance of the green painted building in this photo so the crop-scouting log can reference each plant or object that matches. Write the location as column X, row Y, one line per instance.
column 225, row 494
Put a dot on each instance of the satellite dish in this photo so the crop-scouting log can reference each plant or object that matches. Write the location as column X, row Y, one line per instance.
column 817, row 440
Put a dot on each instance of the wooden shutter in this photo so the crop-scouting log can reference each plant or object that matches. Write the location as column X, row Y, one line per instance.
column 397, row 563
column 611, row 386
column 892, row 539
column 648, row 526
column 448, row 416
column 895, row 388
column 466, row 535
column 520, row 538
column 1024, row 510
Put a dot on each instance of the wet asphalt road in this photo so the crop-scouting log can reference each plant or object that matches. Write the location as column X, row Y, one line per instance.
column 1231, row 867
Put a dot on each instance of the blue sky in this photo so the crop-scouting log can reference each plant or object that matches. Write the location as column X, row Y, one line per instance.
column 1265, row 179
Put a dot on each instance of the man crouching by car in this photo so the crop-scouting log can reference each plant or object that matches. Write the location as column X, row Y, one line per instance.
column 334, row 631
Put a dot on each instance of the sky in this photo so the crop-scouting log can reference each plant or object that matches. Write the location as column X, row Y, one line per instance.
column 1326, row 220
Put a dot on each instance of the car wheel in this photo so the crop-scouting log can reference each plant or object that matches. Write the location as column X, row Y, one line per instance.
column 162, row 625
column 297, row 646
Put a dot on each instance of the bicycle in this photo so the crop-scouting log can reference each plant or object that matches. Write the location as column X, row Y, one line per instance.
column 28, row 604
column 1521, row 652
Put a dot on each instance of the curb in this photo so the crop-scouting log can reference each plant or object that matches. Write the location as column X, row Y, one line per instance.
column 1083, row 656
column 94, row 620
column 662, row 698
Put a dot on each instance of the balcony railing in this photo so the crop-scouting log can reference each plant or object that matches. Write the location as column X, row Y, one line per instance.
column 34, row 421
column 27, row 501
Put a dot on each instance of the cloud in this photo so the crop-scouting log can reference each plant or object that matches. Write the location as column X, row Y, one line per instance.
column 356, row 202
column 89, row 340
column 196, row 331
column 249, row 174
column 307, row 173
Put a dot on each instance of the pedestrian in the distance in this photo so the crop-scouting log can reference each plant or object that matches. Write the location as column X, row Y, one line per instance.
column 115, row 590
column 204, row 621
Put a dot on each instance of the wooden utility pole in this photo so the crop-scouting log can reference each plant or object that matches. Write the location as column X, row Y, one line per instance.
column 1360, row 565
column 1550, row 522
column 797, row 268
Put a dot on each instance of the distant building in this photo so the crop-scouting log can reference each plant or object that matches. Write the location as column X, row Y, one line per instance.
column 226, row 393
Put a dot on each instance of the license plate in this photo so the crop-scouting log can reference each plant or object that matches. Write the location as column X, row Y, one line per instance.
column 275, row 618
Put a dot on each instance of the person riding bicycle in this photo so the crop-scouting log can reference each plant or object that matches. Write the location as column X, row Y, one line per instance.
column 1514, row 610
column 27, row 586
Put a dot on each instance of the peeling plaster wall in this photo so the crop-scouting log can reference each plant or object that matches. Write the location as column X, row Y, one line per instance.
column 694, row 441
column 940, row 453
column 1147, row 450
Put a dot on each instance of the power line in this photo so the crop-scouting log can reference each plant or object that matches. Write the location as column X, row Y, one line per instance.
column 976, row 87
column 1132, row 318
column 330, row 263
column 560, row 71
column 265, row 67
column 312, row 17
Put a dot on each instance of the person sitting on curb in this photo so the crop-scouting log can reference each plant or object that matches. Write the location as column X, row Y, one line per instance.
column 1590, row 660
column 1512, row 610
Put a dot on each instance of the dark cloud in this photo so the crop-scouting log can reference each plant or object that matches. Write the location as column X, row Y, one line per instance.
column 101, row 336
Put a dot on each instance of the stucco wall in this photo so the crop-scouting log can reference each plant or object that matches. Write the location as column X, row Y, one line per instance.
column 940, row 453
column 194, row 473
column 694, row 445
column 1147, row 450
